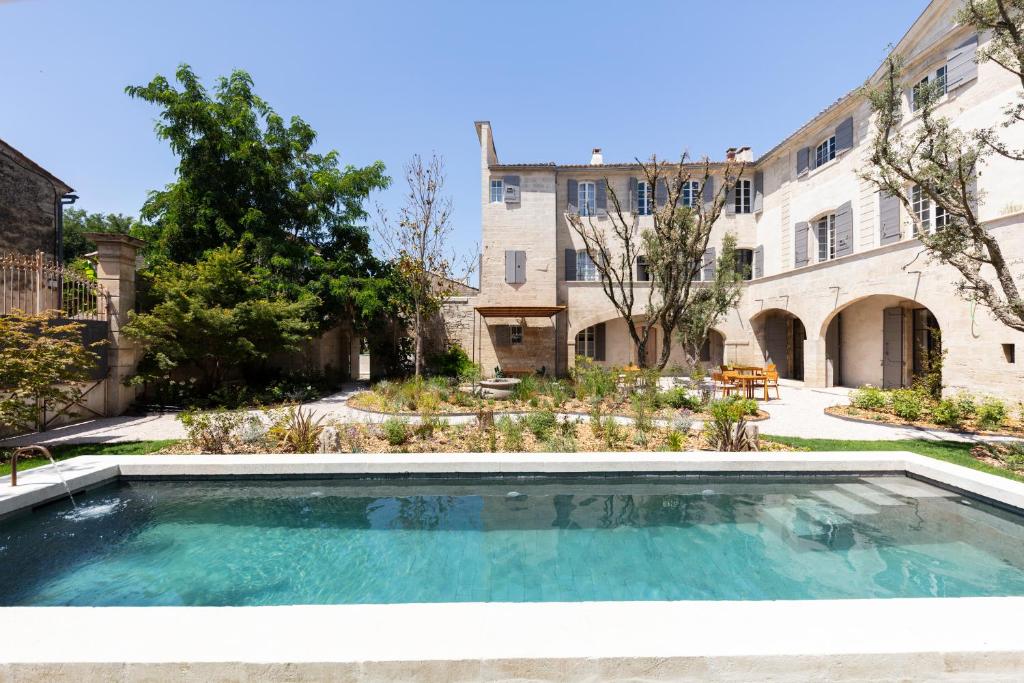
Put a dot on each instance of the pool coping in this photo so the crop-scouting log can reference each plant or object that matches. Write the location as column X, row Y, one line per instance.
column 916, row 638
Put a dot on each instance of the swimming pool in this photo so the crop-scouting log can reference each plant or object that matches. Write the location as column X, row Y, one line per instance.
column 543, row 539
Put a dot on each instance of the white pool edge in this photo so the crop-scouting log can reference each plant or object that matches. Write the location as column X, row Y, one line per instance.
column 897, row 639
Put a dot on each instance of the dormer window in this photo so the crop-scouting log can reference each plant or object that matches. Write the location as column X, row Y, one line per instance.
column 825, row 152
column 933, row 83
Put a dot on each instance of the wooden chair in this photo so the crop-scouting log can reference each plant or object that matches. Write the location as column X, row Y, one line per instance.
column 723, row 383
column 772, row 378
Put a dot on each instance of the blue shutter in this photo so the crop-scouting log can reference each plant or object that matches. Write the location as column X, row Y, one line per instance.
column 888, row 218
column 961, row 67
column 758, row 262
column 661, row 192
column 844, row 135
column 633, row 203
column 803, row 156
column 599, row 335
column 570, row 265
column 601, row 195
column 512, row 180
column 520, row 266
column 572, row 194
column 730, row 200
column 800, row 244
column 844, row 230
column 709, row 264
column 758, row 191
column 510, row 267
column 709, row 190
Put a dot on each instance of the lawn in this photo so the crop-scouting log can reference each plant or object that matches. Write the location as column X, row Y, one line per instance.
column 957, row 453
column 63, row 452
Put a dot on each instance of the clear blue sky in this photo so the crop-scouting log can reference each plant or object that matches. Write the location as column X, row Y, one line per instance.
column 383, row 80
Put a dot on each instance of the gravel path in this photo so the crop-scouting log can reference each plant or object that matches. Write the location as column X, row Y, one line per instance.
column 799, row 412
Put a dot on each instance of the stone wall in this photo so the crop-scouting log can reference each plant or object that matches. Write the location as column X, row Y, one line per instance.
column 29, row 205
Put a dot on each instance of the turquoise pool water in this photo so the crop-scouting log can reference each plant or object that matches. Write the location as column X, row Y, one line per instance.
column 332, row 542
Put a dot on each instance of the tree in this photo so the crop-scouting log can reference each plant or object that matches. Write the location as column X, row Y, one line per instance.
column 941, row 161
column 216, row 315
column 710, row 303
column 418, row 244
column 42, row 363
column 248, row 179
column 77, row 222
column 673, row 250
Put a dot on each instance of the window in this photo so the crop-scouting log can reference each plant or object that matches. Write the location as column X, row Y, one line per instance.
column 741, row 195
column 927, row 344
column 827, row 238
column 745, row 263
column 586, row 343
column 643, row 198
column 515, row 334
column 586, row 199
column 1010, row 353
column 929, row 217
column 691, row 192
column 642, row 274
column 497, row 191
column 932, row 85
column 825, row 152
column 586, row 271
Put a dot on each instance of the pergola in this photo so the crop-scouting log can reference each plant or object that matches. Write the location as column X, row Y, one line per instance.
column 519, row 312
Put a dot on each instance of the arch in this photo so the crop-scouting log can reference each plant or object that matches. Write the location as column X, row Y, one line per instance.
column 882, row 339
column 780, row 335
column 620, row 350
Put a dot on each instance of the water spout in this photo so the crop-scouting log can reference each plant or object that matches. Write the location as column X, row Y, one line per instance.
column 25, row 450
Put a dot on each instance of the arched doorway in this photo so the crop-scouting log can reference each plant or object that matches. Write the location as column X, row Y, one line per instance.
column 883, row 340
column 781, row 336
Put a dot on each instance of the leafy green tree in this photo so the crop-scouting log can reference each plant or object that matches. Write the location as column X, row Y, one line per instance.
column 710, row 303
column 77, row 222
column 42, row 363
column 247, row 178
column 216, row 315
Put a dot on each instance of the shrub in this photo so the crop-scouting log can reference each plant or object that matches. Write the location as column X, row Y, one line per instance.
column 680, row 397
column 683, row 422
column 428, row 425
column 558, row 392
column 453, row 362
column 746, row 406
column 612, row 432
column 907, row 404
column 968, row 408
column 869, row 398
column 1009, row 453
column 512, row 433
column 596, row 420
column 210, row 432
column 991, row 413
column 642, row 413
column 396, row 431
column 675, row 441
column 727, row 430
column 540, row 423
column 298, row 431
column 947, row 412
column 525, row 390
column 592, row 380
column 560, row 443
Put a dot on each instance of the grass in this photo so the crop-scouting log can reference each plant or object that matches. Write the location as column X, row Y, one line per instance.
column 65, row 451
column 957, row 453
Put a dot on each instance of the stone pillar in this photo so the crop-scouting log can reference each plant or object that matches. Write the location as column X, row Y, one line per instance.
column 115, row 270
column 815, row 363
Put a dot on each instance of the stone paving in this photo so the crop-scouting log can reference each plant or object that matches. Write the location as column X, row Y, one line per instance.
column 799, row 412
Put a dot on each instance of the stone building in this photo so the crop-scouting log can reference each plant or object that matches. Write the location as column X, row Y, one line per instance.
column 841, row 291
column 31, row 205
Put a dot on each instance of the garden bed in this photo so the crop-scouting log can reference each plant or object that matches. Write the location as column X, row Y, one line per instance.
column 879, row 417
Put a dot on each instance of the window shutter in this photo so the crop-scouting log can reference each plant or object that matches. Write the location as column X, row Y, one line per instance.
column 633, row 204
column 844, row 135
column 599, row 341
column 601, row 195
column 503, row 335
column 800, row 244
column 709, row 190
column 730, row 201
column 572, row 196
column 570, row 265
column 709, row 264
column 661, row 192
column 803, row 156
column 758, row 191
column 888, row 218
column 961, row 68
column 520, row 266
column 758, row 262
column 512, row 180
column 844, row 230
column 510, row 267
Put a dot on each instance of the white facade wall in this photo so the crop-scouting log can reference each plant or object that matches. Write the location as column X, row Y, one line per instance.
column 860, row 285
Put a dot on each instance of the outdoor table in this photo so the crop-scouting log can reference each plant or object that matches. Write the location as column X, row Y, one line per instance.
column 748, row 379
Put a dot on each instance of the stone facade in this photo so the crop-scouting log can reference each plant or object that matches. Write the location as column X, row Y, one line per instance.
column 30, row 205
column 857, row 316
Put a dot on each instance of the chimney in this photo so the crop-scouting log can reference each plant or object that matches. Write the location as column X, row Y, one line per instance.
column 745, row 154
column 730, row 154
column 595, row 157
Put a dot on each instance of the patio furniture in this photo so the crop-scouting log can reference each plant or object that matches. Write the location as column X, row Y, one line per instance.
column 771, row 380
column 723, row 382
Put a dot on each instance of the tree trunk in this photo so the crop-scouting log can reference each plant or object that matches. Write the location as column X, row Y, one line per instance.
column 419, row 340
